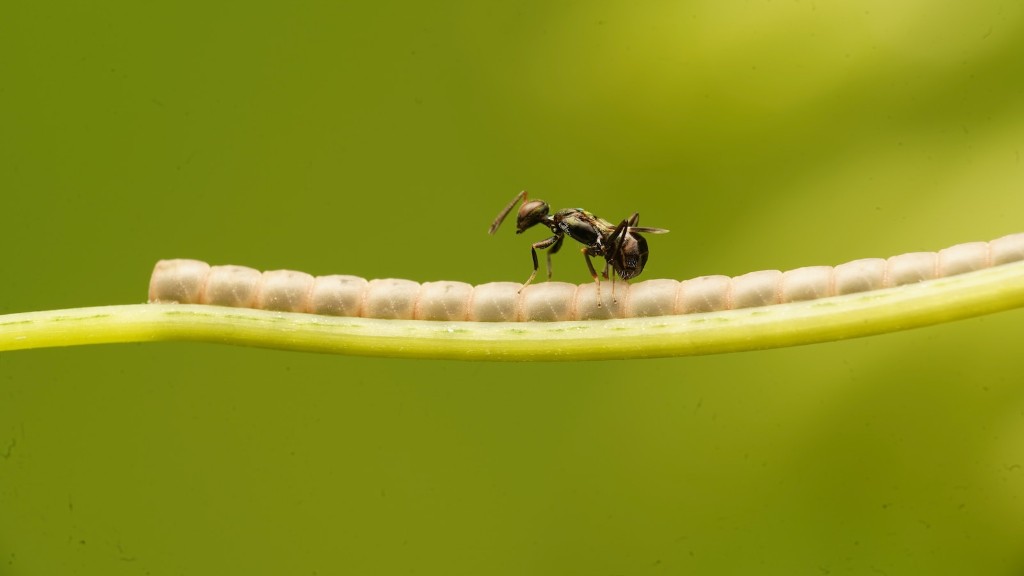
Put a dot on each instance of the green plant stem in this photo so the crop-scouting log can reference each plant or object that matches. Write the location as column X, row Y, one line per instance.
column 932, row 302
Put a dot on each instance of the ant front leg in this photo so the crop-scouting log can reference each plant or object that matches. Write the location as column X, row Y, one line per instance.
column 554, row 250
column 556, row 239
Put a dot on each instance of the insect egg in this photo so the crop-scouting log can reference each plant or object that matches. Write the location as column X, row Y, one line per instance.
column 195, row 282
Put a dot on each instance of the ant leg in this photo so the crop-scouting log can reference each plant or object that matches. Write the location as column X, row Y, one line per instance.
column 618, row 235
column 616, row 240
column 504, row 212
column 533, row 252
column 593, row 274
column 605, row 274
column 554, row 250
column 633, row 224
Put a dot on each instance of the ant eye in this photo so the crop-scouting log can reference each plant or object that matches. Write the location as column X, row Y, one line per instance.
column 531, row 213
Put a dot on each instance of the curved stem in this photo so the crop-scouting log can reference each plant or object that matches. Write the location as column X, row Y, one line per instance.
column 854, row 315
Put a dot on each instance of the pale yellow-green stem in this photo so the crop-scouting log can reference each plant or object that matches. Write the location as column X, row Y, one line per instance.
column 850, row 316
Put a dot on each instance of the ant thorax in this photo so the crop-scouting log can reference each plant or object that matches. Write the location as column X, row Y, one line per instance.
column 579, row 225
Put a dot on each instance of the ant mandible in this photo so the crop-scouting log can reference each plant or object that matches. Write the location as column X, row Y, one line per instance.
column 623, row 248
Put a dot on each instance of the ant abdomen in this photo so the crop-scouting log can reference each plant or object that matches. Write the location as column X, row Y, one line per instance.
column 629, row 262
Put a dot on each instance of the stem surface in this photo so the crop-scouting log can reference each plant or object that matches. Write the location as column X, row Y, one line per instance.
column 850, row 316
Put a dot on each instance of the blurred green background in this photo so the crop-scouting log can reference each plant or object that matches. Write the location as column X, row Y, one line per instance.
column 380, row 139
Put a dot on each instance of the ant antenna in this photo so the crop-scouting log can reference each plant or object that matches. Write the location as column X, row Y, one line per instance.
column 504, row 212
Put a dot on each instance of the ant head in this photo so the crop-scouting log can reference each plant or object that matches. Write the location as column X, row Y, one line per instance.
column 530, row 214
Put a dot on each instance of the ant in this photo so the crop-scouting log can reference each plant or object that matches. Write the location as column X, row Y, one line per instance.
column 623, row 248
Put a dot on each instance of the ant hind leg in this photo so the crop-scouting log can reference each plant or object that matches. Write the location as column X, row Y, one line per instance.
column 593, row 274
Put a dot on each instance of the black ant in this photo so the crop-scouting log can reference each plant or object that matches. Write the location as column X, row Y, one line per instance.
column 623, row 248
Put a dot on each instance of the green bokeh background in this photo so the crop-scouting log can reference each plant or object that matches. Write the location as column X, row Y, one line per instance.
column 380, row 139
